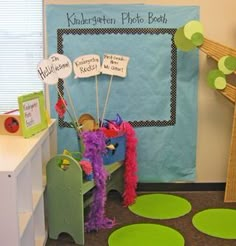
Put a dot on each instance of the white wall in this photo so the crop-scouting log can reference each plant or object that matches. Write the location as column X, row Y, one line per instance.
column 215, row 113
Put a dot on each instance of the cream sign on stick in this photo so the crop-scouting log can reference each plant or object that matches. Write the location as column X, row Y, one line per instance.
column 63, row 68
column 86, row 66
column 50, row 70
column 114, row 65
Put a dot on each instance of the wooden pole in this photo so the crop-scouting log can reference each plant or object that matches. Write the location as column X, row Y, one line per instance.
column 216, row 51
column 230, row 188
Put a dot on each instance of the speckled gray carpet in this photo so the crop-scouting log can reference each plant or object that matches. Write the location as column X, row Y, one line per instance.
column 193, row 237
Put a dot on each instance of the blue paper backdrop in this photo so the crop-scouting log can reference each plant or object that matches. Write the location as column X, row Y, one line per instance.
column 161, row 85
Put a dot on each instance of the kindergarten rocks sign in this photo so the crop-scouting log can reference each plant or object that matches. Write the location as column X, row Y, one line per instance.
column 86, row 66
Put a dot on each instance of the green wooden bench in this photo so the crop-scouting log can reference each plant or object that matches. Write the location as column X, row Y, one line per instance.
column 67, row 195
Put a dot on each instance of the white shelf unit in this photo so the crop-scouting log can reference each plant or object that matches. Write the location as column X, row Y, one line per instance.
column 22, row 185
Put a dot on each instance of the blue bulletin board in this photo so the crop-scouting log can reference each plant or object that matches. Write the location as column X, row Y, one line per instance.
column 159, row 94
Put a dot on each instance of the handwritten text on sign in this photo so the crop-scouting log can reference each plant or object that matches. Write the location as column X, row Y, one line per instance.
column 47, row 72
column 115, row 65
column 125, row 18
column 62, row 65
column 32, row 113
column 86, row 66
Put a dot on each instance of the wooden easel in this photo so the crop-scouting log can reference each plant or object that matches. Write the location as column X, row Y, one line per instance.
column 216, row 51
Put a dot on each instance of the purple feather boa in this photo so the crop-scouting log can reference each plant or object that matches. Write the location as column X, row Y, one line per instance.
column 95, row 147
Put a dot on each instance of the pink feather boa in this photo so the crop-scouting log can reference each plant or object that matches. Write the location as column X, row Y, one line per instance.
column 130, row 173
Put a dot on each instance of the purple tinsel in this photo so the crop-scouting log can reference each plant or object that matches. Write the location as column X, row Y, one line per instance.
column 95, row 147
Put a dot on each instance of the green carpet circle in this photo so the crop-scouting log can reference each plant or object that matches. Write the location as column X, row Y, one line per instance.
column 216, row 222
column 160, row 206
column 145, row 234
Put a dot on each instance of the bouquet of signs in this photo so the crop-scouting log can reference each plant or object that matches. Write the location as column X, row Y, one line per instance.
column 102, row 141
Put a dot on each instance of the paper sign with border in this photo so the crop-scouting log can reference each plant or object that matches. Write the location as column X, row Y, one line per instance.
column 32, row 113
